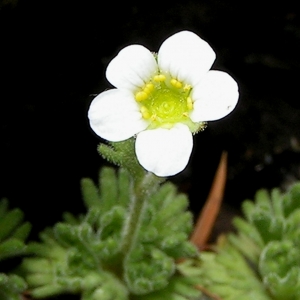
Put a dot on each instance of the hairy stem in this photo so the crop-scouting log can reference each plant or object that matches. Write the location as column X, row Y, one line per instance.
column 141, row 191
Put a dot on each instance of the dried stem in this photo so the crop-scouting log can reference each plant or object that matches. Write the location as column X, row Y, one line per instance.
column 209, row 213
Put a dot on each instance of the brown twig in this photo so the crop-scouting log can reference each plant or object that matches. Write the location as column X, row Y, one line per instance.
column 207, row 218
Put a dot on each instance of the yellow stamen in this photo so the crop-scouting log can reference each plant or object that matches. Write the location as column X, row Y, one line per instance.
column 140, row 96
column 164, row 101
column 187, row 87
column 149, row 88
column 189, row 103
column 145, row 112
column 159, row 78
column 176, row 83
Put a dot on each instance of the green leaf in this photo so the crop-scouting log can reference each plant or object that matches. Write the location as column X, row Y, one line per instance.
column 108, row 188
column 90, row 193
column 262, row 259
column 10, row 222
column 11, row 287
column 291, row 200
column 85, row 254
column 280, row 267
column 22, row 232
column 11, row 247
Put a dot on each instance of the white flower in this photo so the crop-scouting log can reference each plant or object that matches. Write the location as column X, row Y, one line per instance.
column 163, row 99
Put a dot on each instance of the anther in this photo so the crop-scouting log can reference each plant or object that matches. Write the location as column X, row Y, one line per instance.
column 176, row 83
column 189, row 103
column 159, row 78
column 187, row 87
column 145, row 112
column 149, row 88
column 140, row 96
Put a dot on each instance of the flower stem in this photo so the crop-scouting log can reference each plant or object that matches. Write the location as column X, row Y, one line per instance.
column 142, row 190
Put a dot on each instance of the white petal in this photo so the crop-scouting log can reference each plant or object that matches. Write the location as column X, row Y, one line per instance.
column 114, row 115
column 131, row 68
column 215, row 97
column 186, row 56
column 164, row 152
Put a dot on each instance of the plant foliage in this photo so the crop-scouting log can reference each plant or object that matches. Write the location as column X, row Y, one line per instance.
column 262, row 260
column 13, row 233
column 84, row 255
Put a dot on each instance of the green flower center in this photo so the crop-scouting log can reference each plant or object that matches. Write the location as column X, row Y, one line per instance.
column 165, row 101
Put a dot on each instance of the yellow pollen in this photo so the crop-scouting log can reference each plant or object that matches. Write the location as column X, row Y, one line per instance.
column 159, row 78
column 145, row 112
column 140, row 96
column 189, row 103
column 149, row 88
column 176, row 83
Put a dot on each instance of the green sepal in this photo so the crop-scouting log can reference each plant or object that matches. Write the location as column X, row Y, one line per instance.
column 123, row 154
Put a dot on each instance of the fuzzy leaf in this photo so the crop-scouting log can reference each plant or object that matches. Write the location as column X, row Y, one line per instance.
column 269, row 238
column 22, row 231
column 85, row 255
column 90, row 193
column 228, row 275
column 10, row 222
column 280, row 267
column 11, row 247
column 291, row 200
column 11, row 287
column 147, row 270
column 108, row 188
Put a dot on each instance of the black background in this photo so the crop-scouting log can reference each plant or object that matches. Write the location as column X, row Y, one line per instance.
column 53, row 59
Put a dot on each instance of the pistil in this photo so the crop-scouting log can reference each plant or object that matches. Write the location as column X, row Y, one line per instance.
column 165, row 101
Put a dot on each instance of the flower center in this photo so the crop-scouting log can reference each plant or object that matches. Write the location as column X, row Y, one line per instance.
column 165, row 101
